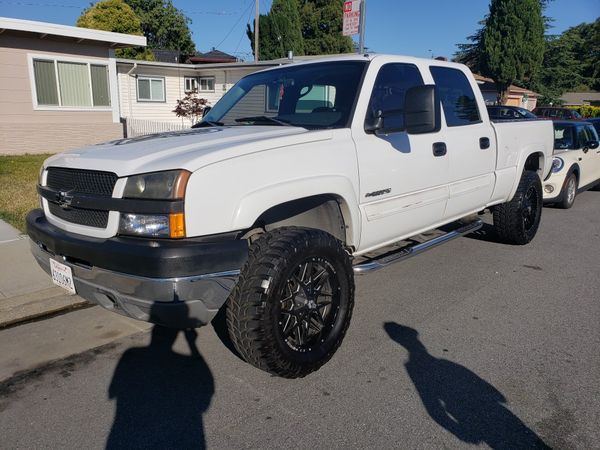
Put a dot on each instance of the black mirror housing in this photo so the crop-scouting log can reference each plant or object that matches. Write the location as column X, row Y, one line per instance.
column 592, row 144
column 422, row 112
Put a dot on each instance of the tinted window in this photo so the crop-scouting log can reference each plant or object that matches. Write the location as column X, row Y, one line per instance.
column 458, row 99
column 393, row 80
column 563, row 137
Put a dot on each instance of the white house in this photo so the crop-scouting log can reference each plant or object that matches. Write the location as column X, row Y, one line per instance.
column 149, row 90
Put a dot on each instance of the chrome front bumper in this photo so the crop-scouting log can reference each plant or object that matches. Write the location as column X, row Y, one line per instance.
column 184, row 302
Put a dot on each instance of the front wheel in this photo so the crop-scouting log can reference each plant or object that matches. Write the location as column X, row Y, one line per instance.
column 293, row 301
column 569, row 191
column 518, row 220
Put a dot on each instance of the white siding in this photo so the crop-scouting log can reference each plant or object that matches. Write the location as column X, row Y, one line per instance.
column 174, row 90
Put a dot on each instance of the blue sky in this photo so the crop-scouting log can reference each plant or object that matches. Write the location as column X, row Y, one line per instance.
column 416, row 28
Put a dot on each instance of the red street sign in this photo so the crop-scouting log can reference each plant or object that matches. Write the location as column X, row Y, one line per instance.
column 351, row 18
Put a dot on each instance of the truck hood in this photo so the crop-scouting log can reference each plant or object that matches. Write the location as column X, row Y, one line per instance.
column 187, row 149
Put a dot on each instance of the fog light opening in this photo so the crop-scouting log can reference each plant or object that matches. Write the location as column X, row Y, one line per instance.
column 549, row 189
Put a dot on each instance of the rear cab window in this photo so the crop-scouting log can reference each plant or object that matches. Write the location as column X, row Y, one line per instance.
column 457, row 96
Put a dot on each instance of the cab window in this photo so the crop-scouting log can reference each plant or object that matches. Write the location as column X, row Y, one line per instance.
column 393, row 80
column 458, row 100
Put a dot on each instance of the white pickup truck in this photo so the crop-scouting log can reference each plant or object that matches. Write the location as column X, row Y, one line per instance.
column 268, row 206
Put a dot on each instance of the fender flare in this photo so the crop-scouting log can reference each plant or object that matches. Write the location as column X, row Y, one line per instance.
column 255, row 203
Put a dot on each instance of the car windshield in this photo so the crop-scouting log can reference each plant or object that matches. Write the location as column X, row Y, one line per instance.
column 319, row 95
column 526, row 113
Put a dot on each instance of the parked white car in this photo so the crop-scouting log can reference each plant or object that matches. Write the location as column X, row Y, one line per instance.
column 264, row 207
column 576, row 162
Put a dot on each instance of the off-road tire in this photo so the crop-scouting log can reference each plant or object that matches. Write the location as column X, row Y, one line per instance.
column 567, row 197
column 255, row 307
column 510, row 218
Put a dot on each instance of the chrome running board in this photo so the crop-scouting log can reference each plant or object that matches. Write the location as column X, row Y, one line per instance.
column 415, row 249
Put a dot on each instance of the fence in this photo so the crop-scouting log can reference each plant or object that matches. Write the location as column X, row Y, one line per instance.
column 139, row 127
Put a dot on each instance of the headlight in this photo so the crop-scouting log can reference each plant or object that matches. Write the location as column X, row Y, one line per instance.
column 557, row 164
column 151, row 225
column 168, row 185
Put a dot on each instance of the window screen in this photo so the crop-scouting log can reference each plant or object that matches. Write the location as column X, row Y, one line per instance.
column 458, row 99
column 99, row 76
column 151, row 89
column 45, row 82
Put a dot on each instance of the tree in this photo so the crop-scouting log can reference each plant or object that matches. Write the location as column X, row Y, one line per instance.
column 116, row 16
column 164, row 26
column 512, row 42
column 279, row 31
column 322, row 27
column 191, row 107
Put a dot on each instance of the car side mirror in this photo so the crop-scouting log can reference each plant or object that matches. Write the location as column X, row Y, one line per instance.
column 422, row 110
column 375, row 123
column 592, row 144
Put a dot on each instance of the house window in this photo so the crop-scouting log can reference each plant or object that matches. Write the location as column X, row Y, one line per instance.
column 151, row 89
column 191, row 84
column 70, row 84
column 207, row 84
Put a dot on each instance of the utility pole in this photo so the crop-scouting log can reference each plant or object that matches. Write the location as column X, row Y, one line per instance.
column 256, row 20
column 363, row 21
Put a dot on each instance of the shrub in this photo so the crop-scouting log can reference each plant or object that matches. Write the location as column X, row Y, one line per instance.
column 588, row 111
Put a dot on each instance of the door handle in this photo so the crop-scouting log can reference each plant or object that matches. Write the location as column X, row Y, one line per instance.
column 439, row 148
column 484, row 143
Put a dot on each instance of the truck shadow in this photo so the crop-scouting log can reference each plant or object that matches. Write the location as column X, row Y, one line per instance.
column 160, row 395
column 460, row 401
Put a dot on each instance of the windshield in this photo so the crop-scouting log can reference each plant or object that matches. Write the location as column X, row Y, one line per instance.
column 319, row 95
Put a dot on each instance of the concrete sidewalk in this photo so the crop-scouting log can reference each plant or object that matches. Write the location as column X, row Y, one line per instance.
column 26, row 291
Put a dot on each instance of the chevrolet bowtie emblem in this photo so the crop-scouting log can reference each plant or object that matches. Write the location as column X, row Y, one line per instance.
column 64, row 199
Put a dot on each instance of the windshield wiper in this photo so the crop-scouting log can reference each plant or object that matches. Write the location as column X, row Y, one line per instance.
column 264, row 119
column 207, row 123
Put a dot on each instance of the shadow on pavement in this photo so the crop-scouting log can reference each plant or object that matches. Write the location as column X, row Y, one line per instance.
column 161, row 395
column 461, row 402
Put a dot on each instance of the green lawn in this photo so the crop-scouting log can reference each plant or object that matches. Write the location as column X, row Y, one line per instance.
column 18, row 177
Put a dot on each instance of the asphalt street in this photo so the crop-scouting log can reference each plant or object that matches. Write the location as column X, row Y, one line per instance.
column 472, row 343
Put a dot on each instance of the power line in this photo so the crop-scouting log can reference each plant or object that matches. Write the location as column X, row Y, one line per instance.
column 235, row 24
column 60, row 5
column 244, row 31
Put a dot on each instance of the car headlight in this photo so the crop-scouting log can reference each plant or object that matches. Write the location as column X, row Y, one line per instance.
column 557, row 164
column 168, row 185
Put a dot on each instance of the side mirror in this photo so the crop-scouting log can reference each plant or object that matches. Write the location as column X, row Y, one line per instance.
column 375, row 123
column 422, row 110
column 592, row 144
column 205, row 111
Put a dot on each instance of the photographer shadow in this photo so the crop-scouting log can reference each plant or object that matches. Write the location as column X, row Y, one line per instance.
column 460, row 401
column 161, row 395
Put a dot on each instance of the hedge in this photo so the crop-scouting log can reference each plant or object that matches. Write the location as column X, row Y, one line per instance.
column 588, row 111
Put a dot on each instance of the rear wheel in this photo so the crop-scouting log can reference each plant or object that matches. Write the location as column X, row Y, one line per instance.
column 569, row 192
column 518, row 220
column 293, row 302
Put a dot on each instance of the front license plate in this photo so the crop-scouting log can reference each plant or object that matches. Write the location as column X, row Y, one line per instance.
column 62, row 276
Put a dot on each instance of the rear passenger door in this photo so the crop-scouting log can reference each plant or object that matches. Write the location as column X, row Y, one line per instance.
column 470, row 143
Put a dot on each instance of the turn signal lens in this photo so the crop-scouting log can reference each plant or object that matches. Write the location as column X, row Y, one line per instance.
column 177, row 225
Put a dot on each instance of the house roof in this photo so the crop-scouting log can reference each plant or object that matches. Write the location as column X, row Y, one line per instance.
column 214, row 56
column 580, row 98
column 235, row 65
column 44, row 29
column 488, row 85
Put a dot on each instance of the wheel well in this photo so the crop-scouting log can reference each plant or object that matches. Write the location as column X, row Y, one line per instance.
column 575, row 169
column 535, row 162
column 322, row 212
